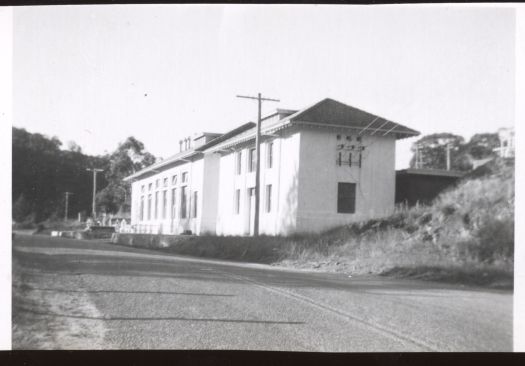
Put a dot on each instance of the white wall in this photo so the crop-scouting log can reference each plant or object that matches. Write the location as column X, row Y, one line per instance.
column 319, row 175
column 282, row 176
column 206, row 208
column 304, row 180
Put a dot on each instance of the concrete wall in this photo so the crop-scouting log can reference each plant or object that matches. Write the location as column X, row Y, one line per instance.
column 304, row 179
column 319, row 175
column 173, row 223
column 282, row 176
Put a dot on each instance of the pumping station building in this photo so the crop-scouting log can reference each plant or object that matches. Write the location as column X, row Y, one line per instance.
column 322, row 166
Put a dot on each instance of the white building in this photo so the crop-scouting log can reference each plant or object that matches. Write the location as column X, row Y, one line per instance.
column 322, row 166
column 506, row 139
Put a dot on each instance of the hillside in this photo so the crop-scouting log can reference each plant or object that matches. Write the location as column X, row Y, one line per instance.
column 466, row 235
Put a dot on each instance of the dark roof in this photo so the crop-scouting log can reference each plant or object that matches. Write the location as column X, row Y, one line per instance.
column 433, row 172
column 226, row 136
column 332, row 112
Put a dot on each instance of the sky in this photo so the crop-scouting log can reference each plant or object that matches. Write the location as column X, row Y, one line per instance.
column 98, row 74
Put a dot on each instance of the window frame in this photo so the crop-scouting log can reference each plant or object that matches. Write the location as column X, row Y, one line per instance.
column 183, row 202
column 237, row 202
column 268, row 198
column 269, row 155
column 238, row 163
column 251, row 160
column 195, row 203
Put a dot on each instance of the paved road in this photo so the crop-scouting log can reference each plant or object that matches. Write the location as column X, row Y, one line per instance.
column 134, row 298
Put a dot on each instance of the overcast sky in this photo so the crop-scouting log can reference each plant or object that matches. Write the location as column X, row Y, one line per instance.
column 98, row 74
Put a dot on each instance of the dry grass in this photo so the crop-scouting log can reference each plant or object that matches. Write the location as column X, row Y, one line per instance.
column 466, row 235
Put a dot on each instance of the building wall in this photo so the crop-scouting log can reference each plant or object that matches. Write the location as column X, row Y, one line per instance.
column 304, row 177
column 319, row 175
column 172, row 222
column 282, row 176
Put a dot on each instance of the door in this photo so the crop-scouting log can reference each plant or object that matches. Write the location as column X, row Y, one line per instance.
column 251, row 208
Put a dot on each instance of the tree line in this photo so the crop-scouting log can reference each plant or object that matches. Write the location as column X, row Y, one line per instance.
column 42, row 172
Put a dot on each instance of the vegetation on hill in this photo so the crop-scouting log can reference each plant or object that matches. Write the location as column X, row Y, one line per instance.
column 467, row 232
column 465, row 236
column 463, row 154
column 43, row 172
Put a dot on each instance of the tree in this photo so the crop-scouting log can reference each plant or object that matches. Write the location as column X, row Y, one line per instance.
column 42, row 172
column 21, row 209
column 128, row 158
column 482, row 145
column 433, row 151
column 74, row 147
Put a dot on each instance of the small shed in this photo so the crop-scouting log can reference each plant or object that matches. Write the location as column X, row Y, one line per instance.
column 423, row 185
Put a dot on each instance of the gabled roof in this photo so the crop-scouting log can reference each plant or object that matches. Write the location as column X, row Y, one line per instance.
column 329, row 112
column 226, row 136
column 182, row 156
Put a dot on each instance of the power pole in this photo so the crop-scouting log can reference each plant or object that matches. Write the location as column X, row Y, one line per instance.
column 259, row 99
column 67, row 205
column 94, row 205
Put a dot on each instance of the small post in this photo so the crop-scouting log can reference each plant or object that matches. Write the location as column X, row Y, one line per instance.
column 67, row 205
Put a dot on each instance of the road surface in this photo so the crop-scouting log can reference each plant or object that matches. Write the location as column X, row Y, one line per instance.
column 104, row 296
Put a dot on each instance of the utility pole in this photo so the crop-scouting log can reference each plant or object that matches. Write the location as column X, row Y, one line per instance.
column 94, row 206
column 67, row 205
column 259, row 99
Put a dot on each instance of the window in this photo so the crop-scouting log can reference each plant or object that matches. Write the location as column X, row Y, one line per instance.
column 164, row 203
column 150, row 186
column 238, row 162
column 195, row 201
column 346, row 197
column 156, row 204
column 339, row 137
column 142, row 208
column 173, row 201
column 348, row 138
column 165, row 182
column 251, row 160
column 339, row 158
column 183, row 199
column 174, row 180
column 237, row 202
column 157, row 183
column 184, row 177
column 149, row 206
column 269, row 155
column 268, row 197
column 142, row 188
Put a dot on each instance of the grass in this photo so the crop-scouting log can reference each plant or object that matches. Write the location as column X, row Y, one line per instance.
column 465, row 236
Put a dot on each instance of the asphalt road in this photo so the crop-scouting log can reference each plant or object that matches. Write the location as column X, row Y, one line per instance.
column 127, row 298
